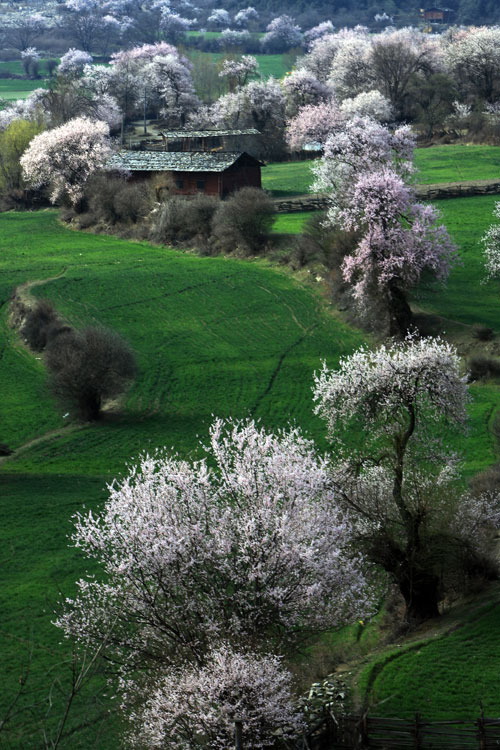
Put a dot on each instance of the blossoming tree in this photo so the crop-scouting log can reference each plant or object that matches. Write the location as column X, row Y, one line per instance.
column 252, row 551
column 64, row 158
column 198, row 706
column 413, row 518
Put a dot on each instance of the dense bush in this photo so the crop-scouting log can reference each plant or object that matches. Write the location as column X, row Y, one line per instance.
column 89, row 367
column 243, row 221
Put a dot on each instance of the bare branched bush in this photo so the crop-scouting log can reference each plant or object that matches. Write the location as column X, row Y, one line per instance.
column 88, row 368
column 40, row 325
column 114, row 200
column 185, row 219
column 243, row 221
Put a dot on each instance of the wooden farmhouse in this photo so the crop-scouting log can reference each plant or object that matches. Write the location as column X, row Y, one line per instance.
column 194, row 161
column 437, row 15
column 213, row 173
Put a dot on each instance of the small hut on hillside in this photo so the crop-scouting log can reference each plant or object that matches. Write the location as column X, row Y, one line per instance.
column 210, row 172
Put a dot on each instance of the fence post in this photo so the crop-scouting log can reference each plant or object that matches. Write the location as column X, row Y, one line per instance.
column 481, row 730
column 418, row 737
column 238, row 734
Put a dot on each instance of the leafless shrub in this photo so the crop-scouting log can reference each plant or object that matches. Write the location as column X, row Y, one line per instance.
column 89, row 367
column 243, row 221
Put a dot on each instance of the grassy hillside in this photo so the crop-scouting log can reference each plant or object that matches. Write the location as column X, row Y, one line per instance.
column 212, row 336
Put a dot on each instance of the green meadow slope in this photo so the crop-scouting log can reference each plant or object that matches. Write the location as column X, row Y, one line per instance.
column 212, row 336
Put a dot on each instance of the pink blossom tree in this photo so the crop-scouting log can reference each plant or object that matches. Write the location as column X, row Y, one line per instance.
column 364, row 169
column 198, row 706
column 400, row 483
column 64, row 158
column 356, row 146
column 314, row 123
column 252, row 551
column 399, row 240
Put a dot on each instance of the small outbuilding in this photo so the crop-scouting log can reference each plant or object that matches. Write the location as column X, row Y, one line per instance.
column 213, row 173
column 437, row 15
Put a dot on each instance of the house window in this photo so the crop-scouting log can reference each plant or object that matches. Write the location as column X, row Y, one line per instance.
column 200, row 185
column 180, row 184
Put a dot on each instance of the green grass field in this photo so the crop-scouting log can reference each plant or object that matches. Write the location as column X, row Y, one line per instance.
column 17, row 88
column 444, row 675
column 435, row 165
column 212, row 336
column 292, row 223
column 456, row 163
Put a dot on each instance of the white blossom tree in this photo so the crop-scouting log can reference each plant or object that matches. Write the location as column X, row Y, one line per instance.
column 491, row 242
column 302, row 88
column 237, row 72
column 219, row 18
column 473, row 58
column 319, row 31
column 252, row 551
column 397, row 56
column 198, row 706
column 64, row 158
column 413, row 517
column 246, row 16
column 74, row 61
column 281, row 35
column 371, row 104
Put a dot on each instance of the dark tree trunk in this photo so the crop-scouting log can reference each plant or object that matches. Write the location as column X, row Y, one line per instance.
column 400, row 314
column 420, row 590
column 418, row 585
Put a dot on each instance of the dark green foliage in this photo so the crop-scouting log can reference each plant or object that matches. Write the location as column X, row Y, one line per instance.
column 483, row 333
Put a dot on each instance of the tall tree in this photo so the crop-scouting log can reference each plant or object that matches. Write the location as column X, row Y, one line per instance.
column 400, row 483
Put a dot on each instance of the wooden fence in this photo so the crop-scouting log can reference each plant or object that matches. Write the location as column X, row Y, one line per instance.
column 360, row 732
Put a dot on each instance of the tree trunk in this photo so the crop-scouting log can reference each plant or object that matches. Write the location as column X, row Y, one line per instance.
column 420, row 590
column 400, row 314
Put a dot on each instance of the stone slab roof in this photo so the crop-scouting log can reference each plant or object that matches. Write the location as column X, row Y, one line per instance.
column 178, row 134
column 175, row 161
